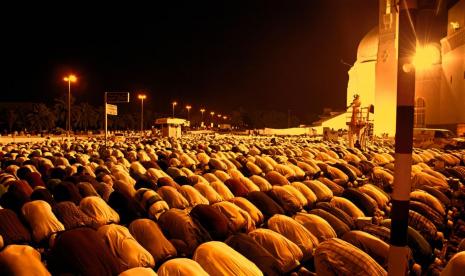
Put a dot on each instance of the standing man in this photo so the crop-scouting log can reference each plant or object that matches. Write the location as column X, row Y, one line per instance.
column 356, row 123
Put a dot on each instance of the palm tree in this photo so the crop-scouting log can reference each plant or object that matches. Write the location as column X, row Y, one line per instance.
column 86, row 116
column 11, row 117
column 100, row 117
column 76, row 115
column 126, row 121
column 41, row 117
column 60, row 108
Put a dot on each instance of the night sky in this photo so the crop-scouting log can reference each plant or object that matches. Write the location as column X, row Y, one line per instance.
column 221, row 55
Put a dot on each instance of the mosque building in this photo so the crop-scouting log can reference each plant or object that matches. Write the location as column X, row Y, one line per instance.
column 439, row 63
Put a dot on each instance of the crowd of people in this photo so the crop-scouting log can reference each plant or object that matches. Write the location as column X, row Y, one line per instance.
column 222, row 205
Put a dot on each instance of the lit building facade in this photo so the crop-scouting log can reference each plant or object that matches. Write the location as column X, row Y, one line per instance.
column 440, row 69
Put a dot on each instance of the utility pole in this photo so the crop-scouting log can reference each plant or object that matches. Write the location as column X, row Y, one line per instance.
column 398, row 251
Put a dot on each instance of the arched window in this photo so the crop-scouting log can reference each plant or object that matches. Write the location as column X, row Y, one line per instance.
column 420, row 110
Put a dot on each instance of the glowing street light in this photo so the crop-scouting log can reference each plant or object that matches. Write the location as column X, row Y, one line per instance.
column 188, row 107
column 219, row 118
column 174, row 104
column 426, row 56
column 69, row 79
column 202, row 110
column 142, row 97
column 212, row 118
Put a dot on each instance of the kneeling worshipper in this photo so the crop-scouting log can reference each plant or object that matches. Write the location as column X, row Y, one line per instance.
column 149, row 235
column 217, row 258
column 41, row 219
column 347, row 206
column 14, row 198
column 211, row 220
column 295, row 232
column 208, row 192
column 321, row 188
column 126, row 206
column 174, row 198
column 370, row 244
column 138, row 271
column 181, row 267
column 319, row 227
column 82, row 251
column 151, row 202
column 21, row 260
column 337, row 257
column 455, row 266
column 98, row 210
column 252, row 250
column 193, row 196
column 287, row 253
column 239, row 220
column 289, row 202
column 182, row 231
column 124, row 247
column 265, row 204
column 251, row 209
column 71, row 216
column 11, row 228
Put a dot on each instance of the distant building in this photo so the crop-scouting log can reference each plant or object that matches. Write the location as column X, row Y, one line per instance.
column 440, row 75
column 331, row 119
column 171, row 127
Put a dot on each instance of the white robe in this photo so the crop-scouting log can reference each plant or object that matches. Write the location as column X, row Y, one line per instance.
column 217, row 258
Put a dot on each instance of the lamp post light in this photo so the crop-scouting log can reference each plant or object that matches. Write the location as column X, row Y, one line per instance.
column 212, row 118
column 174, row 104
column 202, row 110
column 142, row 97
column 69, row 79
column 188, row 107
column 425, row 57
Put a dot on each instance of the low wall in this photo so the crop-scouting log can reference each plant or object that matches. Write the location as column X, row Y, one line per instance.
column 288, row 131
column 35, row 139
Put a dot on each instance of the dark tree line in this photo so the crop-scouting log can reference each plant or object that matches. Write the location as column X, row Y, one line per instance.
column 40, row 117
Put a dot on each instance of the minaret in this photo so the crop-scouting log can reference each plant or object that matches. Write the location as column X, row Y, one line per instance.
column 386, row 70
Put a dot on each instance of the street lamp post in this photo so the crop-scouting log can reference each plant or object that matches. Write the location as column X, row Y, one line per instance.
column 142, row 97
column 174, row 104
column 188, row 107
column 219, row 119
column 202, row 111
column 212, row 122
column 69, row 79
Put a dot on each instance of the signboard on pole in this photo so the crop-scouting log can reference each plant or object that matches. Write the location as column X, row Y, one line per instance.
column 112, row 109
column 117, row 97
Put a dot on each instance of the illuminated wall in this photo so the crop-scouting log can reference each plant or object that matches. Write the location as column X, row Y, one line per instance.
column 452, row 109
column 336, row 123
column 362, row 73
column 428, row 87
column 441, row 84
column 374, row 74
column 386, row 71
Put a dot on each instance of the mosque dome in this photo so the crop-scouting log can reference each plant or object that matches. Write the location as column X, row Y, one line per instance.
column 368, row 46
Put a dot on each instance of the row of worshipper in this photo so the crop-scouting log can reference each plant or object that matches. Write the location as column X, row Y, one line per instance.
column 297, row 207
